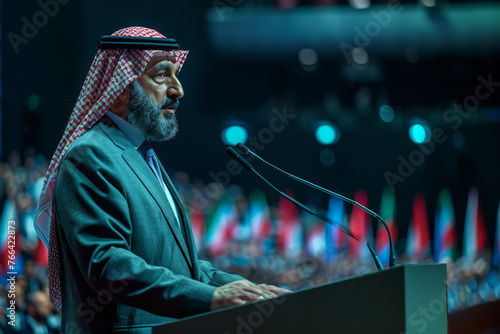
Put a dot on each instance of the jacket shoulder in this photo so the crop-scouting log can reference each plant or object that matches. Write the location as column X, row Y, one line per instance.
column 93, row 144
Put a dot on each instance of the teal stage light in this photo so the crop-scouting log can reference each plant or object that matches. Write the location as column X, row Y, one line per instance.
column 234, row 134
column 419, row 133
column 327, row 134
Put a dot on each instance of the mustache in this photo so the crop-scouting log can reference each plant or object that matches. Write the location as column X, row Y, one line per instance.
column 169, row 102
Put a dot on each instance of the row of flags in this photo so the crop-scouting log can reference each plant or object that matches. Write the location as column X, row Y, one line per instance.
column 290, row 235
column 293, row 236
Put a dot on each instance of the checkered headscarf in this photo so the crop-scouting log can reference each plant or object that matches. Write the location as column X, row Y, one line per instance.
column 111, row 72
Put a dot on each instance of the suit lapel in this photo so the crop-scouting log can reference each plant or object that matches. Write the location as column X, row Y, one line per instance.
column 185, row 225
column 144, row 173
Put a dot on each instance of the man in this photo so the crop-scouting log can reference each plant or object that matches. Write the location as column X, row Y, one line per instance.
column 38, row 311
column 122, row 255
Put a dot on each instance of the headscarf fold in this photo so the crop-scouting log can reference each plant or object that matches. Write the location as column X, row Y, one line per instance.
column 111, row 72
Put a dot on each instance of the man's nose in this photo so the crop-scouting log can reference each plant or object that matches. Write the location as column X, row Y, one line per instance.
column 175, row 89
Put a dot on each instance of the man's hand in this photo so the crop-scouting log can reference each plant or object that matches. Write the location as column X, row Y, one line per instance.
column 274, row 289
column 237, row 293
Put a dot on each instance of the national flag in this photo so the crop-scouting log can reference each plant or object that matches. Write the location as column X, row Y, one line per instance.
column 243, row 228
column 360, row 226
column 289, row 229
column 260, row 220
column 335, row 239
column 315, row 240
column 221, row 225
column 198, row 225
column 418, row 241
column 445, row 234
column 388, row 214
column 475, row 238
column 496, row 249
column 41, row 255
column 28, row 218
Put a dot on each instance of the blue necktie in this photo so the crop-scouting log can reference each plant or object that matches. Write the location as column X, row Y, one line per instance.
column 149, row 155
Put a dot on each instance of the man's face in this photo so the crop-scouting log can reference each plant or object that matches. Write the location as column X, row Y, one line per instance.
column 41, row 306
column 154, row 98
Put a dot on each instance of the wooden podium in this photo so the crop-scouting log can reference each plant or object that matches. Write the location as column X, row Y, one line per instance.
column 401, row 300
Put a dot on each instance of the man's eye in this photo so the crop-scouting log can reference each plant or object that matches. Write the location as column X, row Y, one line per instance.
column 161, row 75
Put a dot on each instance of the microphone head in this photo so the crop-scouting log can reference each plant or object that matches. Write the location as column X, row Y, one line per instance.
column 242, row 148
column 236, row 156
column 232, row 152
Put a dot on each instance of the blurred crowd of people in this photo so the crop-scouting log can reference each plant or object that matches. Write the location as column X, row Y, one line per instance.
column 25, row 306
column 255, row 252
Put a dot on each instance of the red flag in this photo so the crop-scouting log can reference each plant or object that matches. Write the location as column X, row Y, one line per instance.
column 198, row 225
column 418, row 241
column 445, row 234
column 41, row 255
column 360, row 226
column 289, row 231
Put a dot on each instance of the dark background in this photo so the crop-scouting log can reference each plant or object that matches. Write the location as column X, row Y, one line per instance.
column 223, row 86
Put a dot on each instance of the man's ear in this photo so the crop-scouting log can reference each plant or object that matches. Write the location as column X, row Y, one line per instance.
column 124, row 96
column 120, row 107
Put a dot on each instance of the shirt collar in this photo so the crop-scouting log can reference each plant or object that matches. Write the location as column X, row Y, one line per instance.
column 133, row 134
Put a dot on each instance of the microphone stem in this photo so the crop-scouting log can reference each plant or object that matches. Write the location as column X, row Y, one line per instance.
column 303, row 207
column 392, row 257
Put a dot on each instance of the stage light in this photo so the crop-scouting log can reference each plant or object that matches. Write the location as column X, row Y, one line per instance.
column 359, row 4
column 428, row 3
column 327, row 157
column 419, row 133
column 458, row 140
column 308, row 57
column 33, row 102
column 386, row 113
column 234, row 134
column 327, row 133
column 359, row 56
column 412, row 54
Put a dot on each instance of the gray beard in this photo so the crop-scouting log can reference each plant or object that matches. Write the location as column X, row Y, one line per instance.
column 145, row 114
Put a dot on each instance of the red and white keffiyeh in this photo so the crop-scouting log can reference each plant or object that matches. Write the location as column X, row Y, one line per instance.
column 111, row 72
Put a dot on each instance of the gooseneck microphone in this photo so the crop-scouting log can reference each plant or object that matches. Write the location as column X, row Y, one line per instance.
column 236, row 156
column 392, row 256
